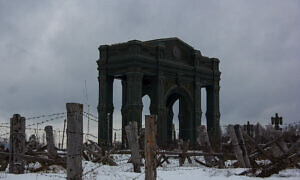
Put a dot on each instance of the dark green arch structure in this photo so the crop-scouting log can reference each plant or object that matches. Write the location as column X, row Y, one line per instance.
column 166, row 70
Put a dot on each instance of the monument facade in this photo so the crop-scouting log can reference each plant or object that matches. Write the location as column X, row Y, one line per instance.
column 166, row 70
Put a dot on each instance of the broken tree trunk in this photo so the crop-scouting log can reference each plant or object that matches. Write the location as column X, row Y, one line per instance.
column 279, row 148
column 239, row 146
column 132, row 137
column 17, row 144
column 259, row 149
column 259, row 131
column 150, row 147
column 74, row 140
column 41, row 159
column 183, row 148
column 239, row 135
column 203, row 141
column 52, row 153
column 289, row 159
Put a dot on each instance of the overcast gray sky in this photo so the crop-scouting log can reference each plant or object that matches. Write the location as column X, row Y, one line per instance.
column 49, row 48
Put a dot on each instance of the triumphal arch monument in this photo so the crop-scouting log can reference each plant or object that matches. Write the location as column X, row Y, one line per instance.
column 166, row 70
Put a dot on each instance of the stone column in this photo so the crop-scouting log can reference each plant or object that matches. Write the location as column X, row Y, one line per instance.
column 110, row 108
column 169, row 119
column 197, row 110
column 134, row 97
column 183, row 126
column 132, row 104
column 161, row 111
column 213, row 112
column 102, row 108
column 123, row 111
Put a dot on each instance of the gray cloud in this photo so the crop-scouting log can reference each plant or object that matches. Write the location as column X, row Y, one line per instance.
column 48, row 49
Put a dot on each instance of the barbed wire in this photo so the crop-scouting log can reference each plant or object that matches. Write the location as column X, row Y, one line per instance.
column 90, row 117
column 5, row 123
column 93, row 118
column 4, row 126
column 40, row 129
column 45, row 115
column 48, row 120
column 90, row 114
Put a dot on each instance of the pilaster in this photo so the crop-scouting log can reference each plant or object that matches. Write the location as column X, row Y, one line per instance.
column 213, row 112
column 102, row 107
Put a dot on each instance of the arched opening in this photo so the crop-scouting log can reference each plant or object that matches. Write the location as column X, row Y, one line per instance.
column 117, row 116
column 179, row 111
column 175, row 134
column 146, row 108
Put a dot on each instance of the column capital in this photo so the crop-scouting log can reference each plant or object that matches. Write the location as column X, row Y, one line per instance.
column 110, row 108
column 216, row 88
column 101, row 107
column 134, row 76
column 102, row 75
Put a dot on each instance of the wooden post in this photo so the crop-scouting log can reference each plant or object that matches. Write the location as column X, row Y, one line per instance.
column 17, row 144
column 203, row 140
column 74, row 140
column 258, row 133
column 150, row 147
column 131, row 131
column 58, row 144
column 239, row 135
column 279, row 148
column 239, row 153
column 183, row 148
column 52, row 153
column 63, row 138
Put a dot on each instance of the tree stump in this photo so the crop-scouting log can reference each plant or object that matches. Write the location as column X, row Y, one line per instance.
column 52, row 153
column 132, row 137
column 239, row 146
column 203, row 140
column 17, row 144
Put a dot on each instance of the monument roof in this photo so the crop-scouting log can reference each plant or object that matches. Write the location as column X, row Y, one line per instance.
column 176, row 39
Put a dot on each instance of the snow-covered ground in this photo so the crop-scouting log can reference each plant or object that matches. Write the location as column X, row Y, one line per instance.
column 170, row 171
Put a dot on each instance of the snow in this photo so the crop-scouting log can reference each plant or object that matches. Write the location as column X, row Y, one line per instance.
column 171, row 171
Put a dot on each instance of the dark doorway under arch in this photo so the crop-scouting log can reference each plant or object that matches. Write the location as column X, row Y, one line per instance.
column 185, row 117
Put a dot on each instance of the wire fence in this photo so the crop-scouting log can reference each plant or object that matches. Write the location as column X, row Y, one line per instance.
column 35, row 127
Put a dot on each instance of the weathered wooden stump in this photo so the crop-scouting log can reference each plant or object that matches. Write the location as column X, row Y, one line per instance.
column 74, row 141
column 150, row 147
column 17, row 144
column 183, row 148
column 239, row 146
column 259, row 132
column 52, row 153
column 203, row 140
column 132, row 137
column 279, row 147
